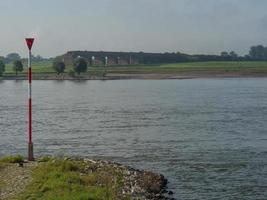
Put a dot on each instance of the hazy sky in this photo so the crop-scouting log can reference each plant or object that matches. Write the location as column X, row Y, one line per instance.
column 190, row 26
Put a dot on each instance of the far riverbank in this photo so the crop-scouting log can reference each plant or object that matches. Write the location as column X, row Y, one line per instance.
column 148, row 76
column 220, row 69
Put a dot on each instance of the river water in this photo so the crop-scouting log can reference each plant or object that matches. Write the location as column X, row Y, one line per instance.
column 207, row 136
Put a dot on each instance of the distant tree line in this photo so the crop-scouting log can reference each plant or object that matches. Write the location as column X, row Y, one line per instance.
column 16, row 61
column 258, row 52
column 11, row 57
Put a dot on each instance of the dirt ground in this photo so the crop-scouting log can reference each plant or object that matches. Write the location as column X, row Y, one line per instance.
column 14, row 179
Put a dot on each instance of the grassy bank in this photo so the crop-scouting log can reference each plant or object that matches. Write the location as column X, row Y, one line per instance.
column 176, row 68
column 63, row 179
column 52, row 178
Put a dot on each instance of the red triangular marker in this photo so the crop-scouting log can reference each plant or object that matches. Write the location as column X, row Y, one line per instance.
column 29, row 42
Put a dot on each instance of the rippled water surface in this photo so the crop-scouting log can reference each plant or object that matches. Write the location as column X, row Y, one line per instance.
column 207, row 136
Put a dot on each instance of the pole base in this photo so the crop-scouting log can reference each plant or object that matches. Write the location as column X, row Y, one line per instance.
column 30, row 152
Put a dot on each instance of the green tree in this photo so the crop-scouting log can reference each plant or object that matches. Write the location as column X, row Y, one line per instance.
column 17, row 66
column 233, row 55
column 59, row 67
column 265, row 53
column 12, row 57
column 257, row 52
column 80, row 65
column 2, row 67
column 224, row 54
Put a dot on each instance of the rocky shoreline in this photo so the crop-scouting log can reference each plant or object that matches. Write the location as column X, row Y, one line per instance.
column 137, row 184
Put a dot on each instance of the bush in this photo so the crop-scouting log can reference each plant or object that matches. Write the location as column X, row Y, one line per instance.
column 45, row 159
column 17, row 66
column 69, row 166
column 12, row 159
column 80, row 65
column 71, row 73
column 2, row 67
column 59, row 67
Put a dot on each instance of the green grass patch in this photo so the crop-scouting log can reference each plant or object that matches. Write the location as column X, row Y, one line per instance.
column 2, row 184
column 220, row 66
column 59, row 179
column 185, row 67
column 37, row 67
column 45, row 159
column 11, row 159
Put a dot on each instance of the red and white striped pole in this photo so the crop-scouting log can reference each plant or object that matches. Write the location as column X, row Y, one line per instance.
column 29, row 42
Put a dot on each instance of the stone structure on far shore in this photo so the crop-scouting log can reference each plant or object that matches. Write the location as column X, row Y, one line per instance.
column 104, row 58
